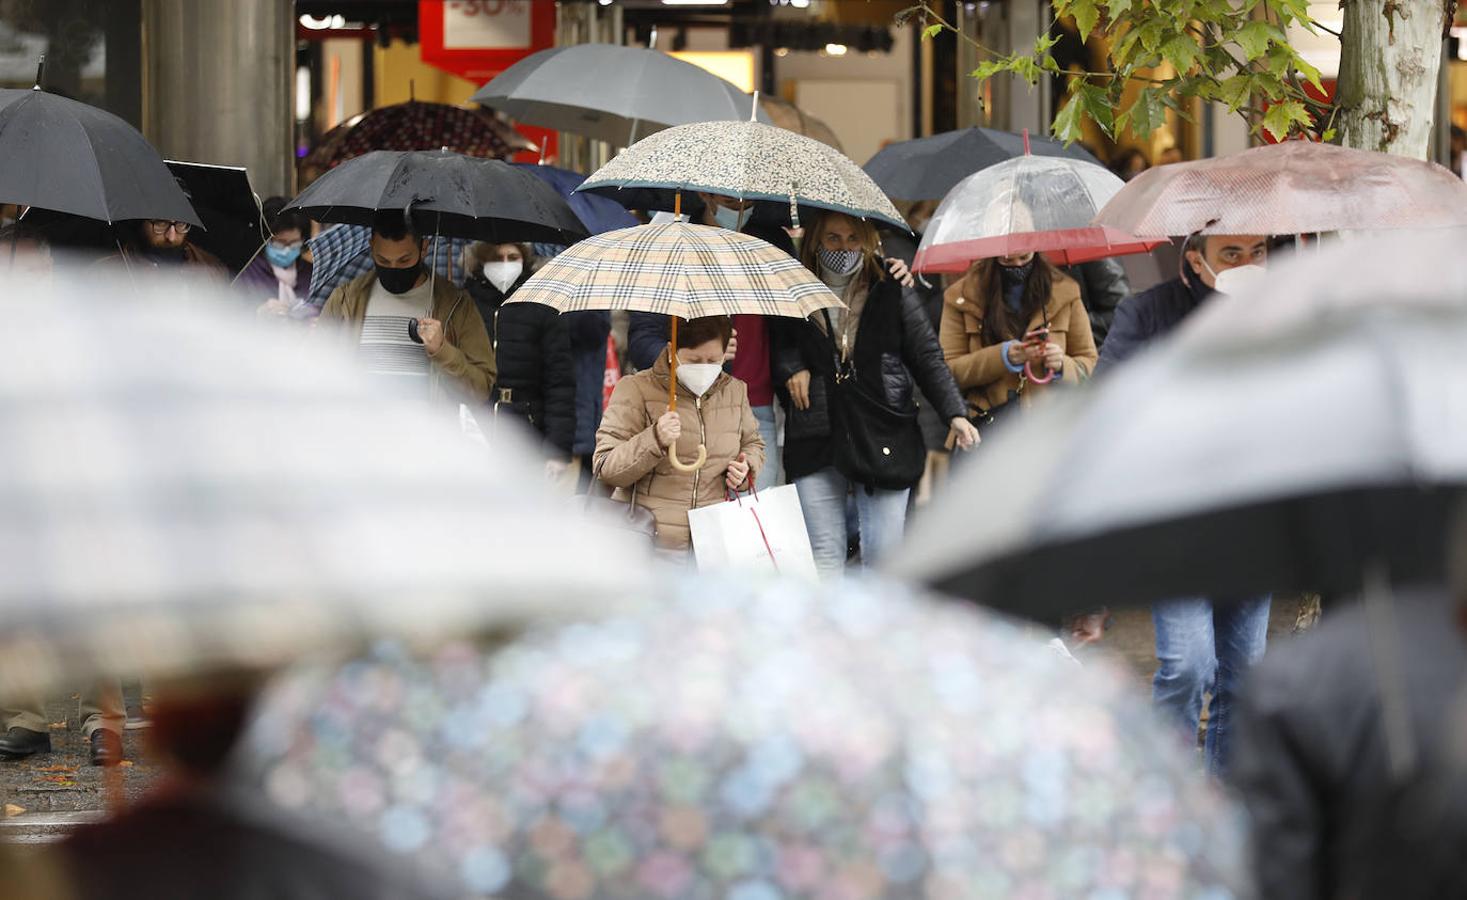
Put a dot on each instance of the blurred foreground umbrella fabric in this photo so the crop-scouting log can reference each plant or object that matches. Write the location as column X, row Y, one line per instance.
column 1284, row 439
column 1295, row 187
column 611, row 93
column 416, row 125
column 759, row 740
column 64, row 155
column 180, row 493
column 927, row 168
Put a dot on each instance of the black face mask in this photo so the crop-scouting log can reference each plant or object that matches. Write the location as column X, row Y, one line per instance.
column 1015, row 275
column 399, row 281
column 165, row 255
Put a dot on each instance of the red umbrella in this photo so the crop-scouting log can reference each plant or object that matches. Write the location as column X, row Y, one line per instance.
column 1296, row 187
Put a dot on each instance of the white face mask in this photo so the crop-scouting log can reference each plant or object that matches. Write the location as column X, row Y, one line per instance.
column 503, row 275
column 1237, row 280
column 698, row 377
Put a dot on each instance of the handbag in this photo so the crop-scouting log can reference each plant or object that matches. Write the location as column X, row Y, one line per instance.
column 622, row 516
column 879, row 447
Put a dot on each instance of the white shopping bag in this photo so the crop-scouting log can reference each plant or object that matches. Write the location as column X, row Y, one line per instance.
column 763, row 533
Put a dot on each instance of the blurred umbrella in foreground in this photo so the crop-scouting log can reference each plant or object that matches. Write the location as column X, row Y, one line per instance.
column 754, row 741
column 181, row 495
column 1292, row 438
column 1030, row 204
column 1295, row 187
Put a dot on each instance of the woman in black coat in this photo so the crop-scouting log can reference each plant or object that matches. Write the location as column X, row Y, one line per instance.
column 865, row 440
column 532, row 349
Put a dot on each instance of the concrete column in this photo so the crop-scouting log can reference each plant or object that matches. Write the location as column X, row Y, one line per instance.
column 217, row 85
column 1015, row 26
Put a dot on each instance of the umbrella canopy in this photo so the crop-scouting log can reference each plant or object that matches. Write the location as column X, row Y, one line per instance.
column 1282, row 440
column 62, row 155
column 790, row 117
column 773, row 740
column 234, row 228
column 419, row 126
column 927, row 168
column 611, row 93
column 1029, row 204
column 678, row 269
column 598, row 214
column 449, row 194
column 184, row 491
column 745, row 160
column 1296, row 187
column 344, row 252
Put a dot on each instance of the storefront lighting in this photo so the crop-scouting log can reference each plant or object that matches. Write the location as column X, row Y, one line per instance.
column 781, row 51
column 604, row 2
column 694, row 2
column 835, row 49
column 323, row 23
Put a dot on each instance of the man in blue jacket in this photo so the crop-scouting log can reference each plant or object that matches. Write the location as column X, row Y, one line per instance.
column 1201, row 646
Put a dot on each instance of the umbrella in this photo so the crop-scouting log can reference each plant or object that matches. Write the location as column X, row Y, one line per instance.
column 790, row 117
column 1296, row 187
column 927, row 168
column 234, row 226
column 679, row 270
column 1030, row 204
column 611, row 93
column 754, row 741
column 183, row 491
column 1285, row 439
column 66, row 156
column 597, row 213
column 418, row 126
column 448, row 193
column 344, row 252
column 747, row 160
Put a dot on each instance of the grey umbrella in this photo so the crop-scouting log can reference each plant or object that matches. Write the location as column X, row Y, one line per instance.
column 1288, row 438
column 927, row 168
column 612, row 93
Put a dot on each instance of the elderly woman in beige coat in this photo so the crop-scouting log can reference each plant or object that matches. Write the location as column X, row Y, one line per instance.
column 638, row 432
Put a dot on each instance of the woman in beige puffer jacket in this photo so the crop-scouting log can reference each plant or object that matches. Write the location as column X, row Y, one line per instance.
column 637, row 431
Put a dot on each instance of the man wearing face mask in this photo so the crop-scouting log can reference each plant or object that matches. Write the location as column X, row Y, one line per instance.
column 532, row 349
column 378, row 311
column 1201, row 646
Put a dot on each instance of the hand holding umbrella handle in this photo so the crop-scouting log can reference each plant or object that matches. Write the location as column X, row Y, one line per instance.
column 693, row 466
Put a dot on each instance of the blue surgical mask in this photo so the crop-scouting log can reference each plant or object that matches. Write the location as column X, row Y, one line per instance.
column 732, row 219
column 282, row 257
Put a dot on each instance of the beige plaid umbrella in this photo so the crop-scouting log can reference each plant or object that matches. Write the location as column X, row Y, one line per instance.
column 680, row 270
column 746, row 160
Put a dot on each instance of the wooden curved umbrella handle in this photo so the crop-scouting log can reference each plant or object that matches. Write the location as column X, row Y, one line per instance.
column 693, row 466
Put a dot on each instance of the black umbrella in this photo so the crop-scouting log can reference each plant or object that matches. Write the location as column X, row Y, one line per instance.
column 449, row 194
column 223, row 198
column 64, row 155
column 927, row 168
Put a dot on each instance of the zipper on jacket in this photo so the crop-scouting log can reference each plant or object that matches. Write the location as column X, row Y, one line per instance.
column 702, row 439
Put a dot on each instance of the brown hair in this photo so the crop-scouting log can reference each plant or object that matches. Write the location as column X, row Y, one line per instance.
column 700, row 331
column 999, row 322
column 477, row 253
column 870, row 242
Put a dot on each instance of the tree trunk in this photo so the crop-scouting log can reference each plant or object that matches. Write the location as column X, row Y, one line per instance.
column 1390, row 51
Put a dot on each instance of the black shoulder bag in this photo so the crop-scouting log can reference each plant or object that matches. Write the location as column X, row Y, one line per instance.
column 875, row 446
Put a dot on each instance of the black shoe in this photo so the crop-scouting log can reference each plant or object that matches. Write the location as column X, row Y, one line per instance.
column 106, row 747
column 18, row 743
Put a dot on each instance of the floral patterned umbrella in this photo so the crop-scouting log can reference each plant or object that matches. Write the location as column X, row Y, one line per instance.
column 748, row 160
column 755, row 741
column 418, row 126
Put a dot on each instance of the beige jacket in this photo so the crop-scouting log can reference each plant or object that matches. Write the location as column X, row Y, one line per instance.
column 465, row 363
column 627, row 452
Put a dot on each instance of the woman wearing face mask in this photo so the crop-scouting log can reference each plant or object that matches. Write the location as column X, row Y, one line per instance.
column 994, row 336
column 279, row 277
column 865, row 441
column 532, row 348
column 638, row 433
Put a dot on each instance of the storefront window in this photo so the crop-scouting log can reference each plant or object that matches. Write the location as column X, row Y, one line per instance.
column 92, row 50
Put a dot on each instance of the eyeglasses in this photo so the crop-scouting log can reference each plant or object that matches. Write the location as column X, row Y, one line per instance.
column 161, row 226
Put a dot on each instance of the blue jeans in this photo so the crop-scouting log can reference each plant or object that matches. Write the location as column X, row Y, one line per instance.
column 1205, row 647
column 769, row 475
column 880, row 517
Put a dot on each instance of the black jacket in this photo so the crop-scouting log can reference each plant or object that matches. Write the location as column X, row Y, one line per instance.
column 1103, row 286
column 895, row 343
column 900, row 245
column 1313, row 760
column 532, row 348
column 1150, row 314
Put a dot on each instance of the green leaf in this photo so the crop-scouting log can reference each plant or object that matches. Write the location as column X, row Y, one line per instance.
column 1121, row 51
column 1235, row 91
column 1255, row 37
column 1310, row 73
column 932, row 31
column 1068, row 123
column 1086, row 14
column 1151, row 32
column 1045, row 43
column 1117, row 8
column 1099, row 107
column 1281, row 117
column 1182, row 52
column 989, row 68
column 1146, row 114
column 1329, row 136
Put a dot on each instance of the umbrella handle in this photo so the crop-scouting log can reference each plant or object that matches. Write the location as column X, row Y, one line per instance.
column 693, row 466
column 1029, row 372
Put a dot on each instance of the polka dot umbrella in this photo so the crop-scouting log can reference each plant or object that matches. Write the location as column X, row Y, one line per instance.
column 755, row 741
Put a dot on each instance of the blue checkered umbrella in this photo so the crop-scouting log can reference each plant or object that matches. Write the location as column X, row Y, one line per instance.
column 344, row 252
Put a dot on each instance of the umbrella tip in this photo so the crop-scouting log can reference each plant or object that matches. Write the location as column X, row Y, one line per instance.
column 1026, row 142
column 754, row 108
column 40, row 69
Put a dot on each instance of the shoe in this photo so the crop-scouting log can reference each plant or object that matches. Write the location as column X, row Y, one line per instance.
column 18, row 743
column 106, row 747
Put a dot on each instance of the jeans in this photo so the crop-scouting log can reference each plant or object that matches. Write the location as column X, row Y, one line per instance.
column 880, row 517
column 1205, row 647
column 769, row 475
